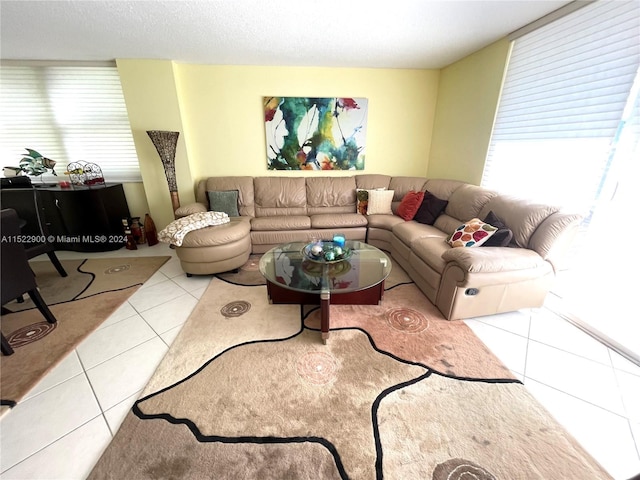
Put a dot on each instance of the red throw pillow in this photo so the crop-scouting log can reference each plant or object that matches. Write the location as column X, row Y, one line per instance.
column 410, row 204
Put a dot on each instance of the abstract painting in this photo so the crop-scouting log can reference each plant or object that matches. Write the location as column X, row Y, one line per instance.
column 306, row 133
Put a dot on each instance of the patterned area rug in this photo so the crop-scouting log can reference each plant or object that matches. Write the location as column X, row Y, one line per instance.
column 248, row 390
column 91, row 292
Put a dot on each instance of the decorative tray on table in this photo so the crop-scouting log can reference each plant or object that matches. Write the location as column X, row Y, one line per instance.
column 326, row 251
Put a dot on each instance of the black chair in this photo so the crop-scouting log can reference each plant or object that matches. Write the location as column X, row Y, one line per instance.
column 17, row 278
column 25, row 200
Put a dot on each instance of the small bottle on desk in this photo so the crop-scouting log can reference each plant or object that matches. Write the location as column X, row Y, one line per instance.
column 131, row 242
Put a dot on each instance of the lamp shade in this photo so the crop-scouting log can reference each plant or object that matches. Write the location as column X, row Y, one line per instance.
column 165, row 143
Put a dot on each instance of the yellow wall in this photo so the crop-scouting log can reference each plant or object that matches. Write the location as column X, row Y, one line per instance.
column 467, row 101
column 222, row 110
column 219, row 114
column 136, row 199
column 152, row 104
column 421, row 122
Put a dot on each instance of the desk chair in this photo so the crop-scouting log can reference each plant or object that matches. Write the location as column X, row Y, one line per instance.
column 27, row 204
column 17, row 278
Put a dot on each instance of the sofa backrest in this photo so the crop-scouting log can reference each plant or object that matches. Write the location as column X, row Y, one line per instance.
column 521, row 216
column 465, row 201
column 401, row 186
column 554, row 236
column 331, row 195
column 535, row 226
column 280, row 196
column 442, row 188
column 372, row 181
column 244, row 186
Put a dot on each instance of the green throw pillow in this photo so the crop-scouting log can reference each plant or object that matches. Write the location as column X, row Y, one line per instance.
column 224, row 201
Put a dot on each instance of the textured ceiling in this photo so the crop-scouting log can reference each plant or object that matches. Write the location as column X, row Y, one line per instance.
column 332, row 33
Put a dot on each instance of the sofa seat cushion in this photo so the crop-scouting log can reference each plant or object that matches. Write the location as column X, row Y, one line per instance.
column 343, row 220
column 448, row 224
column 281, row 222
column 430, row 251
column 236, row 229
column 494, row 259
column 386, row 222
column 175, row 232
column 409, row 232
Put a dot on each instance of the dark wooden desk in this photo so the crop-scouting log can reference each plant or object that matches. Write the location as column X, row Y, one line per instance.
column 81, row 219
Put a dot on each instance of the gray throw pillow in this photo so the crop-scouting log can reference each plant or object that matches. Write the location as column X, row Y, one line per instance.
column 503, row 237
column 224, row 201
column 430, row 209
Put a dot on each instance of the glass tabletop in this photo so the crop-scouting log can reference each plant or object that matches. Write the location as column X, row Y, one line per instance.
column 286, row 265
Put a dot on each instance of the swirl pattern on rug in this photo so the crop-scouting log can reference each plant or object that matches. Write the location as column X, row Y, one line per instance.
column 235, row 309
column 406, row 320
column 31, row 333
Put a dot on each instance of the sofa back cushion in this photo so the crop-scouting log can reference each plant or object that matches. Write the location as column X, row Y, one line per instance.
column 244, row 186
column 521, row 216
column 403, row 185
column 443, row 188
column 280, row 196
column 372, row 181
column 467, row 201
column 331, row 195
column 553, row 237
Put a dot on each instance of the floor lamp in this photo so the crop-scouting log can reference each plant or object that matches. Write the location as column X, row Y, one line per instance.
column 165, row 143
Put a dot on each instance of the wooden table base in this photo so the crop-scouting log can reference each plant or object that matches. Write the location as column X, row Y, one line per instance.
column 369, row 296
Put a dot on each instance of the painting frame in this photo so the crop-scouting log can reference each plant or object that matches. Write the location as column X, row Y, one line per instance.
column 315, row 133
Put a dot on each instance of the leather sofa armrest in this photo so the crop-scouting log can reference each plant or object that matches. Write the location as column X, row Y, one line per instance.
column 493, row 259
column 190, row 209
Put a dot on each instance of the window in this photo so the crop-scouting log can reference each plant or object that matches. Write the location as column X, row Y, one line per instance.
column 567, row 132
column 68, row 114
column 562, row 105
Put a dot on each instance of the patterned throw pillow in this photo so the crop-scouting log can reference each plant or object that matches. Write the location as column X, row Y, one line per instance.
column 472, row 234
column 410, row 204
column 175, row 232
column 362, row 199
column 380, row 202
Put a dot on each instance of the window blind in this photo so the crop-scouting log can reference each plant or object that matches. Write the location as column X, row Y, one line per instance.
column 566, row 87
column 67, row 113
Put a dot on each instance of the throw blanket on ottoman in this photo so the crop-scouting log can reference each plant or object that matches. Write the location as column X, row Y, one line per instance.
column 175, row 232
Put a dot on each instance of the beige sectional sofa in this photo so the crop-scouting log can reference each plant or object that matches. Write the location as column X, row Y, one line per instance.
column 462, row 282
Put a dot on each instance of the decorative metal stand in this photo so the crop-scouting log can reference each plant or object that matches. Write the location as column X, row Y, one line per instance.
column 85, row 174
column 165, row 143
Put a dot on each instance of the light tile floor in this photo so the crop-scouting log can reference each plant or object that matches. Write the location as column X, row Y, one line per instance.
column 70, row 417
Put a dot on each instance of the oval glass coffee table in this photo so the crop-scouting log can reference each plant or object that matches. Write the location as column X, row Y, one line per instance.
column 293, row 278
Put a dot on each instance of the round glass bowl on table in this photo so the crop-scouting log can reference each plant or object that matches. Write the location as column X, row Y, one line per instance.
column 325, row 251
